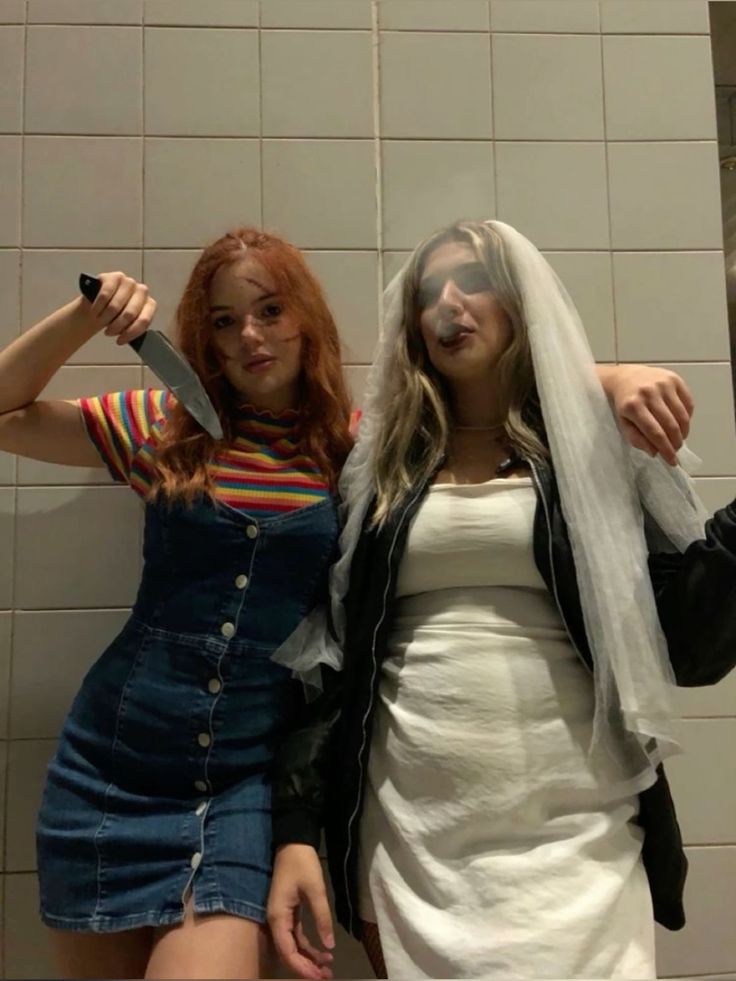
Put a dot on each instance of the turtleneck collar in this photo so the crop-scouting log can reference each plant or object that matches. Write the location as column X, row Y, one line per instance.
column 263, row 424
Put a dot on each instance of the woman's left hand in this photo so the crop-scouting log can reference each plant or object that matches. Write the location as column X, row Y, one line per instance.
column 653, row 407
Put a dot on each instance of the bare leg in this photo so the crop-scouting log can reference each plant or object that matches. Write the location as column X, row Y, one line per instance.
column 372, row 945
column 101, row 955
column 217, row 945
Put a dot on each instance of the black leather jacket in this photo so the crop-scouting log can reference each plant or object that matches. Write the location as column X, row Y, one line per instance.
column 320, row 770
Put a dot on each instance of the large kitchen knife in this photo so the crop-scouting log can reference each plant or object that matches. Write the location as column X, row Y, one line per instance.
column 157, row 351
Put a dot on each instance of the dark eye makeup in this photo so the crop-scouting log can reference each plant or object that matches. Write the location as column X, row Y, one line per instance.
column 470, row 279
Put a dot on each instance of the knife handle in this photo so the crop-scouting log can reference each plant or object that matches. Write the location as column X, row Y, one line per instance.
column 89, row 287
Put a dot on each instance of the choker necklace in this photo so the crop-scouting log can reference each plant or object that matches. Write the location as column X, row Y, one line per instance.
column 479, row 429
column 510, row 463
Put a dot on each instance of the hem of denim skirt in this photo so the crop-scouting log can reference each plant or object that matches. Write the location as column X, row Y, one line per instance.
column 152, row 918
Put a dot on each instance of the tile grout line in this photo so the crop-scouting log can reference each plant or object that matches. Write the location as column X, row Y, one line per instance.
column 173, row 25
column 494, row 142
column 378, row 153
column 611, row 270
column 14, row 550
column 144, row 156
column 261, row 194
column 316, row 138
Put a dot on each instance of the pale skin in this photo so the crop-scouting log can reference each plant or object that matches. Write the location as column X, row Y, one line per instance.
column 261, row 347
column 653, row 408
column 260, row 344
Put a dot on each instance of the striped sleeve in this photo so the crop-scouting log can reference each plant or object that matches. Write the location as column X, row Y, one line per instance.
column 119, row 423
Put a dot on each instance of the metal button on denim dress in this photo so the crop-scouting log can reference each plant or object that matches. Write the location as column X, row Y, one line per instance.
column 159, row 790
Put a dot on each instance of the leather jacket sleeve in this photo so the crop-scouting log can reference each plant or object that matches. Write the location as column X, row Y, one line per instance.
column 301, row 768
column 696, row 601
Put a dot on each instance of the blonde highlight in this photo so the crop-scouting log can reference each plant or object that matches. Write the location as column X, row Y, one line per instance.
column 413, row 438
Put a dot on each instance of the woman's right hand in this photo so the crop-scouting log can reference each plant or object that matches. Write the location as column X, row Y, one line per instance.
column 123, row 308
column 297, row 877
column 52, row 430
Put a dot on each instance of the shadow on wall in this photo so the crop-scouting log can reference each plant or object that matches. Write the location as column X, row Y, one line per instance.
column 728, row 204
column 723, row 43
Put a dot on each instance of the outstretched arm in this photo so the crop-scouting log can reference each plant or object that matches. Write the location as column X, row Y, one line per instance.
column 653, row 407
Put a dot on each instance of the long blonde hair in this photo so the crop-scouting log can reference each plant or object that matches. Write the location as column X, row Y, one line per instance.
column 413, row 438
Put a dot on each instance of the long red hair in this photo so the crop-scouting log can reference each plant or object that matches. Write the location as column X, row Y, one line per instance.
column 324, row 409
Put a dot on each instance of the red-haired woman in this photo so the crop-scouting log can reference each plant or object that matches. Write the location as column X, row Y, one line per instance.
column 157, row 803
column 154, row 837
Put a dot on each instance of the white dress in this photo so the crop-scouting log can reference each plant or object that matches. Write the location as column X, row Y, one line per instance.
column 489, row 846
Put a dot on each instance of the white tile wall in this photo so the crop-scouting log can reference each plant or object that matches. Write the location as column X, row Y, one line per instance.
column 433, row 15
column 58, row 646
column 94, row 530
column 560, row 99
column 27, row 953
column 11, row 79
column 7, row 469
column 10, row 191
column 85, row 12
column 304, row 90
column 9, row 294
column 66, row 64
column 90, row 198
column 425, row 96
column 317, row 14
column 648, row 184
column 27, row 762
column 192, row 13
column 716, row 492
column 134, row 131
column 321, row 193
column 671, row 302
column 645, row 102
column 696, row 785
column 202, row 83
column 555, row 193
column 654, row 17
column 708, row 942
column 217, row 185
column 5, row 642
column 166, row 272
column 350, row 280
column 12, row 11
column 427, row 184
column 392, row 264
column 545, row 16
column 587, row 278
column 7, row 542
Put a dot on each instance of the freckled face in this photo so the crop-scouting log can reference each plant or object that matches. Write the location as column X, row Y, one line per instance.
column 257, row 336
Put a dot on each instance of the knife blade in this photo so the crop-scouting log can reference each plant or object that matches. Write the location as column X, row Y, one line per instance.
column 171, row 367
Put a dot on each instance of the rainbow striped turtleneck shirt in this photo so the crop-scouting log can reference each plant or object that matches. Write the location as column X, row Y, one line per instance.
column 262, row 471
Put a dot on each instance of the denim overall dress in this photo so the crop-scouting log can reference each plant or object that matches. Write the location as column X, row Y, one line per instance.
column 159, row 792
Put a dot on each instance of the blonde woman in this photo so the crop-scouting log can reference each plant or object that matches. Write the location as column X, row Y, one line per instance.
column 516, row 594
